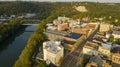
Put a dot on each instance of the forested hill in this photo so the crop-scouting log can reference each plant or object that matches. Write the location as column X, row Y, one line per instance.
column 44, row 9
column 8, row 8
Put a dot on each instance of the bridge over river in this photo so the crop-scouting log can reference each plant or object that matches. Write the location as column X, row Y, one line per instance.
column 30, row 22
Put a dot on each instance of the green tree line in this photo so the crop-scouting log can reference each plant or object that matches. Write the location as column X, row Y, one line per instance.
column 10, row 28
column 45, row 9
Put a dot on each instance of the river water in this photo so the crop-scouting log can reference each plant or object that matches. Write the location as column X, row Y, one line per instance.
column 11, row 48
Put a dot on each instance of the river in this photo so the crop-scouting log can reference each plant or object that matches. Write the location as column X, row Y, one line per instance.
column 11, row 48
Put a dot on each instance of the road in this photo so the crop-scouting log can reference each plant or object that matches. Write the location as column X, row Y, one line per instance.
column 71, row 60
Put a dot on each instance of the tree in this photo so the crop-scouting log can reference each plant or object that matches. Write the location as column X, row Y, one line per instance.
column 42, row 64
column 111, row 39
column 118, row 41
column 84, row 62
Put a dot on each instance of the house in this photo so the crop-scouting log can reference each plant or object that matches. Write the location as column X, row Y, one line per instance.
column 99, row 38
column 53, row 52
column 62, row 26
column 63, row 19
column 116, row 55
column 97, row 61
column 116, row 34
column 56, row 22
column 105, row 49
column 86, row 19
column 90, row 49
column 104, row 27
column 73, row 23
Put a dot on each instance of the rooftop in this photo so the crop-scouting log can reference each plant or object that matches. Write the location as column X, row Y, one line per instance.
column 116, row 50
column 68, row 42
column 74, row 35
column 61, row 33
column 91, row 26
column 97, row 60
column 106, row 45
column 53, row 46
column 80, row 30
column 116, row 32
column 91, row 45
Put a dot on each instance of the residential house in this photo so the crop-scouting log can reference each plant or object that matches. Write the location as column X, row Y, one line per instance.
column 104, row 27
column 90, row 48
column 97, row 61
column 116, row 34
column 105, row 49
column 115, row 55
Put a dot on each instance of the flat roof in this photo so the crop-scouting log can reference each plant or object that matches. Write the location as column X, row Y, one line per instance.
column 74, row 35
column 53, row 46
column 91, row 45
column 56, row 32
column 106, row 46
column 68, row 42
column 116, row 50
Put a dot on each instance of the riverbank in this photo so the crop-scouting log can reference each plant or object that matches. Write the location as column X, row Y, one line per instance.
column 12, row 47
column 9, row 29
column 25, row 58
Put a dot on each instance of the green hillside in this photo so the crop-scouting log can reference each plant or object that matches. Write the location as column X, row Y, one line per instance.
column 44, row 9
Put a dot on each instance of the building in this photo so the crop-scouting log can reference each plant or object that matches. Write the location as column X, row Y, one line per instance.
column 63, row 19
column 97, row 61
column 62, row 26
column 115, row 55
column 99, row 38
column 54, row 34
column 105, row 49
column 53, row 52
column 90, row 48
column 72, row 37
column 92, row 26
column 83, row 31
column 56, row 22
column 70, row 40
column 73, row 23
column 104, row 27
column 116, row 34
column 86, row 19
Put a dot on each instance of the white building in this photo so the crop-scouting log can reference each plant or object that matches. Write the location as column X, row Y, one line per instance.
column 90, row 48
column 116, row 55
column 53, row 52
column 105, row 49
column 116, row 34
column 104, row 27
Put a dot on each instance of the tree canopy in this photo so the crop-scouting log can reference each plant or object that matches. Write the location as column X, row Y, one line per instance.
column 111, row 39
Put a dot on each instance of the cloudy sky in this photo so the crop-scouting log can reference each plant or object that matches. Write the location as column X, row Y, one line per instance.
column 115, row 1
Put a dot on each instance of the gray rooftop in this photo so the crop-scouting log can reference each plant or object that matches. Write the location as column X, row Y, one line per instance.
column 61, row 33
column 53, row 46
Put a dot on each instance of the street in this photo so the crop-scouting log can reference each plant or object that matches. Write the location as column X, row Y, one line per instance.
column 71, row 60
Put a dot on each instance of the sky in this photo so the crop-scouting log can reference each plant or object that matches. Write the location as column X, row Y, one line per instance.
column 103, row 1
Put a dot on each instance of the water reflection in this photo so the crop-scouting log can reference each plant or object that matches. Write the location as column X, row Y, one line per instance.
column 11, row 48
